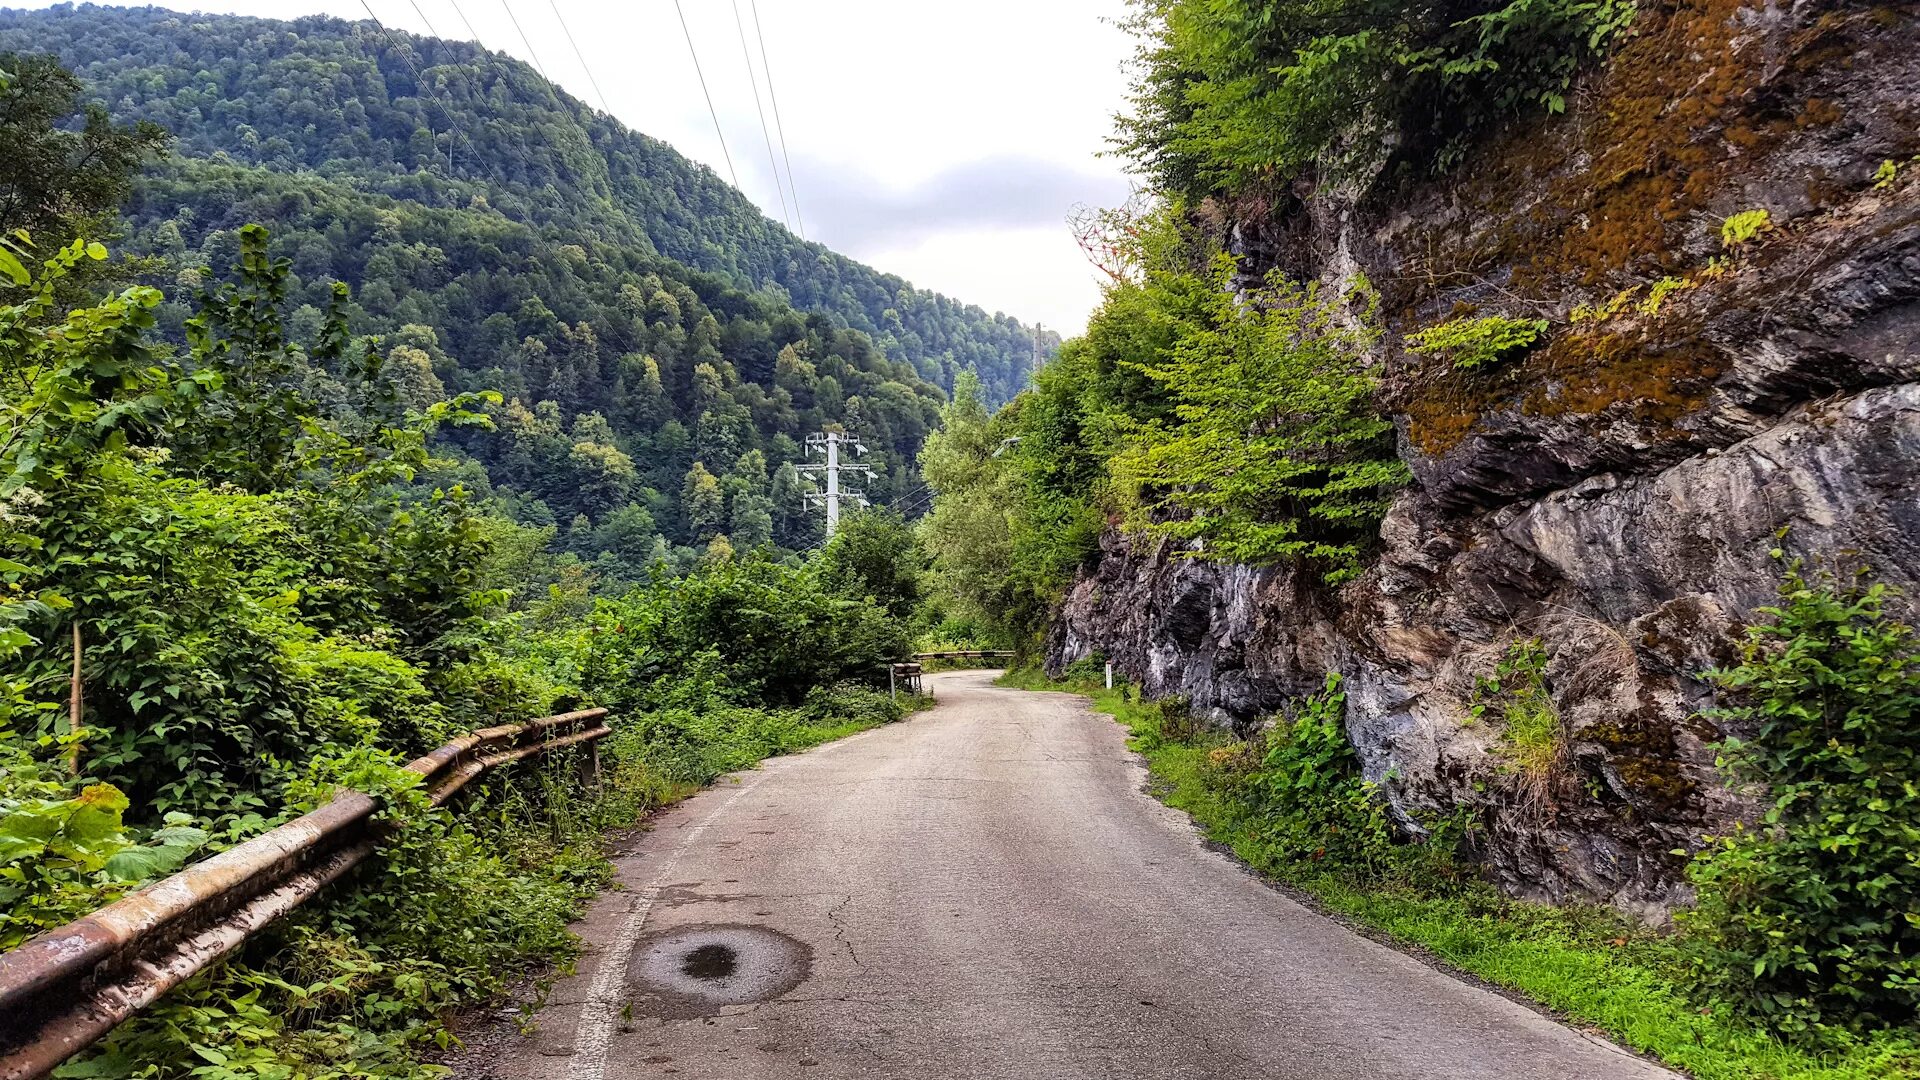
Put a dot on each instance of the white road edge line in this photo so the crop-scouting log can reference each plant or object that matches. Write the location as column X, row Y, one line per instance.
column 594, row 1031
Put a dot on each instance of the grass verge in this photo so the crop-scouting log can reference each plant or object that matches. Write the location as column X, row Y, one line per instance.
column 1586, row 964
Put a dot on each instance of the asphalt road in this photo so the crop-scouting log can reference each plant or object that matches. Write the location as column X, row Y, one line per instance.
column 985, row 891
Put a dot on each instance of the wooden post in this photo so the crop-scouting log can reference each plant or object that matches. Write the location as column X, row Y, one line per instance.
column 74, row 701
column 893, row 692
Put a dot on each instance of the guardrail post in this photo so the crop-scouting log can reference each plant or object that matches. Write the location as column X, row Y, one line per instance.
column 589, row 774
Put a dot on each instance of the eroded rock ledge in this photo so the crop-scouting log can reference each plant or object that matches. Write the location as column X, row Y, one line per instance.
column 1616, row 492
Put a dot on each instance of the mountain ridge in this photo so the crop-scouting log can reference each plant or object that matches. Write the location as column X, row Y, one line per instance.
column 331, row 96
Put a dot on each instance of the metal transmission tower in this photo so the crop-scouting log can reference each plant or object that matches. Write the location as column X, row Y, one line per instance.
column 831, row 443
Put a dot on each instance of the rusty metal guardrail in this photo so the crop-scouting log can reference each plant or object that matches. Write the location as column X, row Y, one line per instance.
column 967, row 654
column 64, row 990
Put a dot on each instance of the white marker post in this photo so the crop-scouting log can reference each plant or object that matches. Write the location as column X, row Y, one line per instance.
column 1109, row 674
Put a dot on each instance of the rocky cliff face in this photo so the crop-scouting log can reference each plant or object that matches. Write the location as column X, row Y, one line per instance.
column 1617, row 491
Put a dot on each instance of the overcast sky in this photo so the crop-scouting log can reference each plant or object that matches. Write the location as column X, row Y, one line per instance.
column 943, row 142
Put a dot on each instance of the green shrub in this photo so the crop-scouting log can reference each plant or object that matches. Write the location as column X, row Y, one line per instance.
column 1533, row 737
column 851, row 703
column 1474, row 343
column 753, row 632
column 1813, row 917
column 1307, row 803
column 1174, row 720
column 1274, row 448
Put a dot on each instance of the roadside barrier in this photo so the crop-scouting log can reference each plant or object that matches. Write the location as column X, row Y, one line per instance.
column 971, row 654
column 64, row 990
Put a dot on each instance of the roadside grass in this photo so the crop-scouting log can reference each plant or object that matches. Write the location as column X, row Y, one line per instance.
column 1589, row 965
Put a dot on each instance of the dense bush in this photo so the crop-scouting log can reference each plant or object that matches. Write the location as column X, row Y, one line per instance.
column 1810, row 917
column 748, row 631
column 1273, row 449
column 876, row 556
column 1304, row 800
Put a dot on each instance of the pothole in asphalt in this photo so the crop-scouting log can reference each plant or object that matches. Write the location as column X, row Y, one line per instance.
column 696, row 970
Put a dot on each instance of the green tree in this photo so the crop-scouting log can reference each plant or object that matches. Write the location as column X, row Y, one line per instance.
column 968, row 530
column 1274, row 449
column 875, row 556
column 705, row 503
column 58, row 183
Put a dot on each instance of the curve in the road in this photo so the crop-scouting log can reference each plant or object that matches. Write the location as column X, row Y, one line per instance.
column 985, row 891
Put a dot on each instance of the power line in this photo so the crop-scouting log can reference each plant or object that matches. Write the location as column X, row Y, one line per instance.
column 578, row 55
column 420, row 83
column 537, row 65
column 778, row 125
column 431, row 32
column 464, row 21
column 764, row 132
column 912, row 496
column 711, row 111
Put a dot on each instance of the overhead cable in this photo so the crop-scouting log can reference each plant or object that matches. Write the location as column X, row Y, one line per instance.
column 711, row 111
column 431, row 32
column 537, row 65
column 420, row 83
column 765, row 133
column 578, row 55
column 778, row 126
column 464, row 21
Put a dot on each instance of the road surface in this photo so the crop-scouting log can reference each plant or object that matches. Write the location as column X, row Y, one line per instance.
column 984, row 891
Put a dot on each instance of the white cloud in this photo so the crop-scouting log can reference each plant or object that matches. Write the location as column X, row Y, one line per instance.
column 942, row 142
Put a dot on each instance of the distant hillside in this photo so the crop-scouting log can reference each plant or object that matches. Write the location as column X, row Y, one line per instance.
column 338, row 99
column 664, row 347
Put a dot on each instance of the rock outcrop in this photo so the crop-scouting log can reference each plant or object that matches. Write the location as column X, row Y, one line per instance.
column 1617, row 492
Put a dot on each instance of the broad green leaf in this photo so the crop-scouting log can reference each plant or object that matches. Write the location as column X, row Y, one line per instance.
column 11, row 266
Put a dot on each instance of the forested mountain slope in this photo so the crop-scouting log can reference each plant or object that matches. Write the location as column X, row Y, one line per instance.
column 663, row 348
column 387, row 112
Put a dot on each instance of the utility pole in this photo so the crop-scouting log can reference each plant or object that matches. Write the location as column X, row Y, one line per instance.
column 830, row 443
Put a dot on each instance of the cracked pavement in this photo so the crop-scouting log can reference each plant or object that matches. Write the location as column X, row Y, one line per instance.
column 987, row 892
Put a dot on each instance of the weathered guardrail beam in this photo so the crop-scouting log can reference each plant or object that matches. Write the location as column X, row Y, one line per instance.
column 967, row 654
column 64, row 990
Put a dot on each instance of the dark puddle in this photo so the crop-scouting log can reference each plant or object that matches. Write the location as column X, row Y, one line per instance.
column 710, row 961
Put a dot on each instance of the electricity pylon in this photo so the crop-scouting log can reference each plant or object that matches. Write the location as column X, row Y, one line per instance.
column 830, row 443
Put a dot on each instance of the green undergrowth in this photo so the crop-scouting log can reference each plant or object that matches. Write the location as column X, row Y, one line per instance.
column 461, row 903
column 1589, row 965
